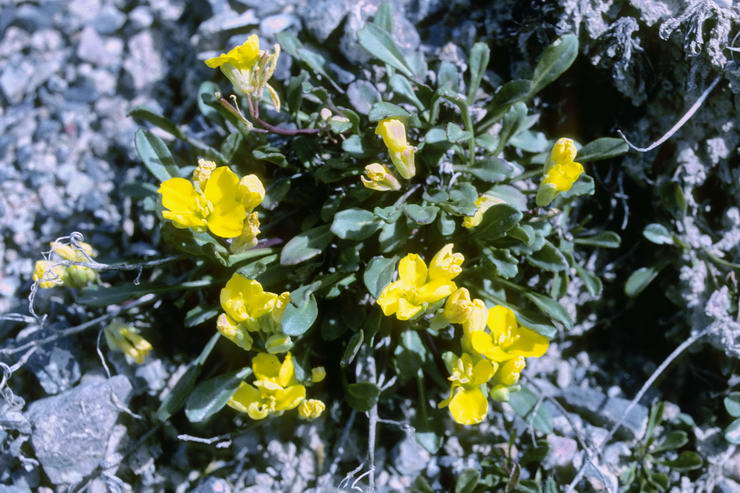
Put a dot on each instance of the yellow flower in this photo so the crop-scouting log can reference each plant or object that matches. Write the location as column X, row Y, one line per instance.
column 468, row 405
column 460, row 309
column 216, row 208
column 242, row 57
column 282, row 301
column 79, row 276
column 393, row 132
column 445, row 264
column 244, row 302
column 124, row 338
column 311, row 409
column 275, row 388
column 418, row 285
column 71, row 253
column 318, row 374
column 561, row 171
column 251, row 191
column 249, row 68
column 48, row 275
column 380, row 178
column 507, row 338
column 483, row 203
column 510, row 371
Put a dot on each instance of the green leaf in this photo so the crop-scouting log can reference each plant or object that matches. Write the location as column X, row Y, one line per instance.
column 448, row 76
column 658, row 234
column 207, row 89
column 639, row 280
column 510, row 93
column 379, row 273
column 550, row 307
column 180, row 392
column 99, row 296
column 514, row 121
column 144, row 113
column 732, row 404
column 673, row 440
column 155, row 155
column 732, row 433
column 510, row 195
column 384, row 17
column 549, row 258
column 686, row 461
column 467, row 481
column 402, row 87
column 603, row 148
column 355, row 224
column 491, row 170
column 497, row 220
column 383, row 110
column 591, row 280
column 210, row 396
column 298, row 318
column 480, row 55
column 388, row 214
column 353, row 346
column 380, row 45
column 353, row 145
column 421, row 214
column 504, row 262
column 529, row 407
column 555, row 60
column 200, row 314
column 604, row 239
column 306, row 245
column 362, row 396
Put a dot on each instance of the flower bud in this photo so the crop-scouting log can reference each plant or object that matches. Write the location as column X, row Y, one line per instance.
column 124, row 338
column 311, row 409
column 278, row 343
column 379, row 178
column 251, row 191
column 47, row 274
column 318, row 374
column 446, row 265
column 232, row 331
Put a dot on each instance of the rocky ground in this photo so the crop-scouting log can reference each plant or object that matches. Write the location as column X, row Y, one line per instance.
column 70, row 71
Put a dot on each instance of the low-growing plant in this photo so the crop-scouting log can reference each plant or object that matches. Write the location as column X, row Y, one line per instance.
column 408, row 242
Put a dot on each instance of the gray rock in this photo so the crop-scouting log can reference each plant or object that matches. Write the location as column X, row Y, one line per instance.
column 15, row 80
column 108, row 20
column 95, row 49
column 140, row 18
column 227, row 20
column 362, row 94
column 56, row 367
column 322, row 17
column 725, row 485
column 606, row 411
column 561, row 454
column 143, row 62
column 409, row 457
column 274, row 24
column 263, row 8
column 213, row 485
column 71, row 430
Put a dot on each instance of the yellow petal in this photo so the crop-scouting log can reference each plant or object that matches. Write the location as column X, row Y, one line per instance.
column 222, row 185
column 227, row 218
column 243, row 56
column 529, row 344
column 181, row 198
column 287, row 371
column 482, row 344
column 244, row 299
column 502, row 322
column 563, row 151
column 393, row 132
column 457, row 306
column 243, row 397
column 265, row 366
column 435, row 291
column 412, row 270
column 468, row 406
column 445, row 264
column 290, row 397
column 251, row 191
column 482, row 372
column 311, row 409
column 388, row 299
column 406, row 309
column 477, row 316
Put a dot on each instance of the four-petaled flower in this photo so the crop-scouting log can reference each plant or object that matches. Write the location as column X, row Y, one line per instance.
column 418, row 285
column 507, row 339
column 468, row 405
column 275, row 388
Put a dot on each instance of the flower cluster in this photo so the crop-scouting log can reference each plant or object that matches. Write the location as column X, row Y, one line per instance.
column 54, row 272
column 125, row 338
column 276, row 389
column 249, row 69
column 494, row 346
column 561, row 171
column 418, row 286
column 249, row 309
column 215, row 200
column 378, row 176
